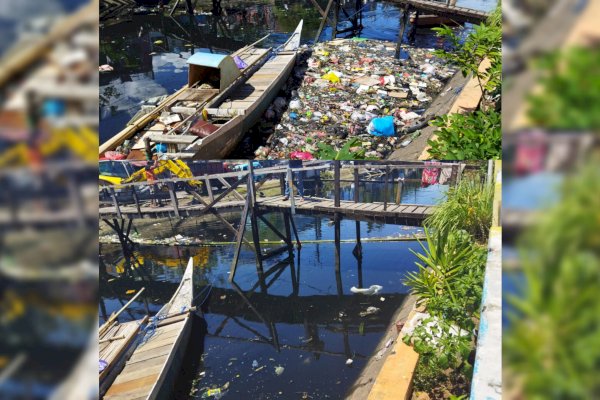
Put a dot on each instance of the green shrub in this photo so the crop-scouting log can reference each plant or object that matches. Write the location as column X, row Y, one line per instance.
column 569, row 98
column 469, row 207
column 449, row 282
column 472, row 136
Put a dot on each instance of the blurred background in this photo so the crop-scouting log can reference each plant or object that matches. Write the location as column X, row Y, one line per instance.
column 551, row 202
column 48, row 199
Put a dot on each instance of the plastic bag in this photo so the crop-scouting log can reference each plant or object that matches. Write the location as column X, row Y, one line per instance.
column 239, row 62
column 382, row 126
column 332, row 77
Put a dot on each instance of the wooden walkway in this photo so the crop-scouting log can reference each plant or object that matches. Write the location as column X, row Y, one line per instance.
column 459, row 14
column 392, row 213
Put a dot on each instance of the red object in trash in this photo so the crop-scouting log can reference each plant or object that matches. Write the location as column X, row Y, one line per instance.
column 399, row 326
column 301, row 155
column 114, row 155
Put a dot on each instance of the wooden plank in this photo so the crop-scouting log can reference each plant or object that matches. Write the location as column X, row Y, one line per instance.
column 178, row 139
column 151, row 354
column 409, row 209
column 139, row 373
column 133, row 388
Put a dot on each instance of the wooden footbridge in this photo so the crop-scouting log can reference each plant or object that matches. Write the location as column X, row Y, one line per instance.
column 58, row 196
column 242, row 191
column 177, row 199
column 447, row 9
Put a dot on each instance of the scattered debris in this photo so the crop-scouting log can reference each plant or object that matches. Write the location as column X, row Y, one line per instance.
column 348, row 89
column 349, row 361
column 279, row 370
column 371, row 290
column 370, row 311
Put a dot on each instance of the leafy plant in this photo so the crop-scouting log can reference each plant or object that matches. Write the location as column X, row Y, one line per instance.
column 472, row 136
column 484, row 42
column 552, row 334
column 570, row 91
column 328, row 152
column 443, row 354
column 442, row 260
column 468, row 206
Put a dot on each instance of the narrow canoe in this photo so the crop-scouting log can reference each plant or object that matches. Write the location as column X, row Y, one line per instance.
column 243, row 107
column 152, row 369
column 116, row 345
column 191, row 98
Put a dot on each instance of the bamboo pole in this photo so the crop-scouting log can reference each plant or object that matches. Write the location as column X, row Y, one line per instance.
column 113, row 317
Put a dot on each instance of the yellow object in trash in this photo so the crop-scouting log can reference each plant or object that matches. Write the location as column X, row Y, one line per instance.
column 130, row 291
column 331, row 77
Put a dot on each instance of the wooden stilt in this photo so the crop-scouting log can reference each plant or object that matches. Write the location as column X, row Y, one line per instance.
column 403, row 24
column 323, row 20
column 335, row 19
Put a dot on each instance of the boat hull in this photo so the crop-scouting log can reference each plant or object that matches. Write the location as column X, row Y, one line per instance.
column 225, row 140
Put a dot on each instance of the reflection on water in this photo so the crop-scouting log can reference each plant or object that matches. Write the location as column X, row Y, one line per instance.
column 301, row 316
column 298, row 313
column 149, row 52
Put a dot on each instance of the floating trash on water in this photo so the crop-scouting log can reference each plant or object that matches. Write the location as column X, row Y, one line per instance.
column 279, row 370
column 370, row 311
column 371, row 290
column 254, row 364
column 345, row 84
column 382, row 299
column 349, row 361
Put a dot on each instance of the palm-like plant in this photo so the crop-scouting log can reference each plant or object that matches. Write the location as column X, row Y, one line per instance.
column 443, row 261
column 468, row 207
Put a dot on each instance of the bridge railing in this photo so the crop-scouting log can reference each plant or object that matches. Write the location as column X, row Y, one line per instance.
column 57, row 194
column 230, row 187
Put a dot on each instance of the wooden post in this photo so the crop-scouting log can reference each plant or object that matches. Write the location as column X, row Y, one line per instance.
column 190, row 8
column 173, row 196
column 115, row 202
column 290, row 183
column 336, row 183
column 75, row 196
column 323, row 20
column 136, row 199
column 251, row 180
column 335, row 20
column 239, row 239
column 254, row 223
column 288, row 232
column 356, row 184
column 399, row 191
column 358, row 248
column 211, row 196
column 490, row 173
column 403, row 24
column 385, row 187
column 337, row 236
column 282, row 183
column 454, row 175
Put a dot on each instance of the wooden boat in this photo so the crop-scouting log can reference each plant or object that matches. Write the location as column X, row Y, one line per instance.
column 152, row 369
column 116, row 344
column 237, row 110
column 213, row 119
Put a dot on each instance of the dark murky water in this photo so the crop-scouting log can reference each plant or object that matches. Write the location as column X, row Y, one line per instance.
column 144, row 69
column 301, row 317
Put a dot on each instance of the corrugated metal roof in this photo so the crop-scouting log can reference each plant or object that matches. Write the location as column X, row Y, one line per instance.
column 207, row 59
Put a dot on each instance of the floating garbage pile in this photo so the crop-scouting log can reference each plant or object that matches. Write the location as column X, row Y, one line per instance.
column 354, row 91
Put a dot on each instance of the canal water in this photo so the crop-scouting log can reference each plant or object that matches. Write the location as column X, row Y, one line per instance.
column 149, row 52
column 290, row 334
